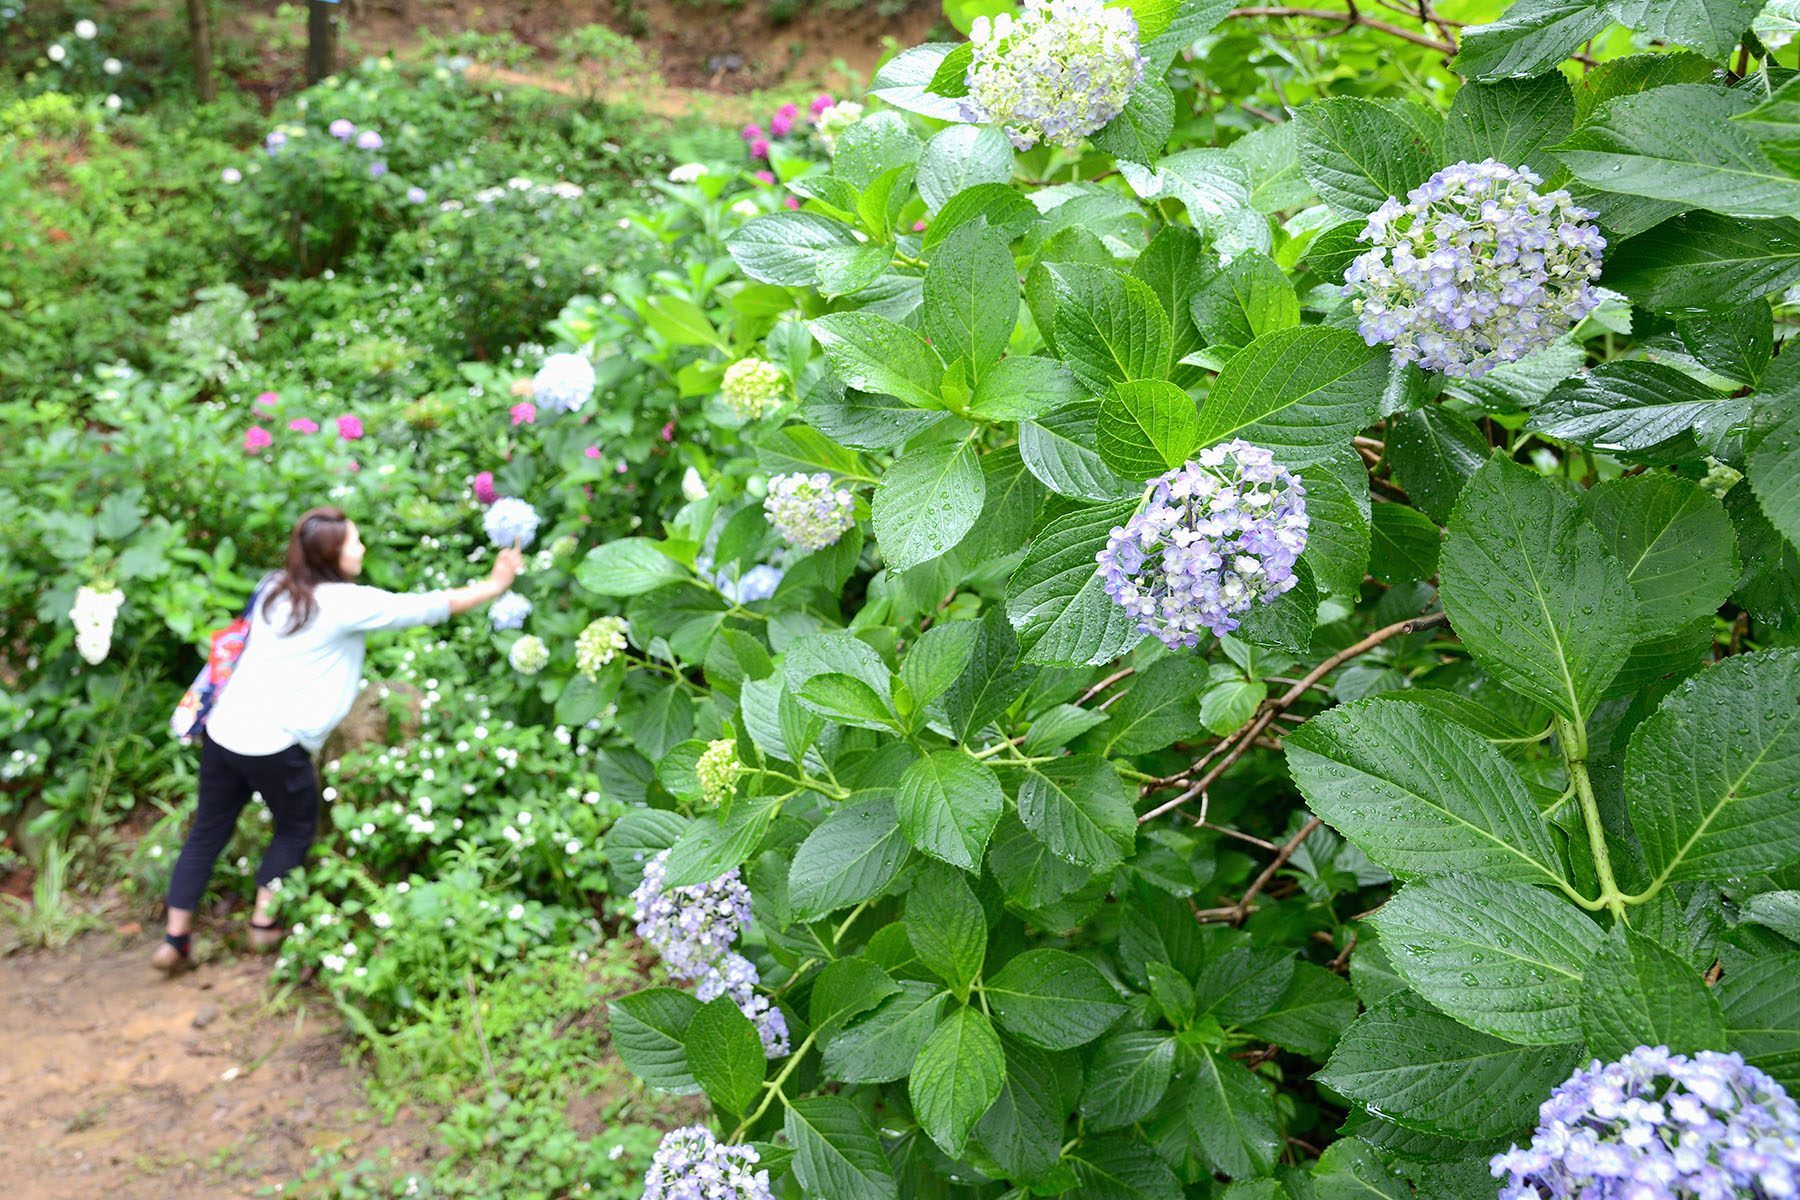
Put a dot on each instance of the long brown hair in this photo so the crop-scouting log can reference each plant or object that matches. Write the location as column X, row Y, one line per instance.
column 313, row 551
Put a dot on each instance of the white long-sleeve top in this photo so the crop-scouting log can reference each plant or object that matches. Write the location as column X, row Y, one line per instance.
column 289, row 688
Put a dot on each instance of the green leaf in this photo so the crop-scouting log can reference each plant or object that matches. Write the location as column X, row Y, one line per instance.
column 1120, row 1167
column 961, row 157
column 935, row 661
column 927, row 502
column 1627, row 406
column 1512, row 121
column 1736, row 344
column 956, row 1078
column 1056, row 599
column 1129, row 1075
column 846, row 700
column 1675, row 541
column 951, row 77
column 1310, row 1015
column 682, row 322
column 1303, row 392
column 1175, row 264
column 947, row 927
column 1243, row 982
column 1705, row 260
column 1356, row 153
column 1761, row 1003
column 1228, row 706
column 990, row 679
column 1420, row 795
column 1248, row 298
column 1499, row 956
column 1232, row 1116
column 787, row 247
column 649, row 1030
column 1337, row 501
column 1109, row 327
column 627, row 567
column 1532, row 590
column 1639, row 994
column 1081, row 808
column 1286, row 622
column 656, row 716
column 1710, row 777
column 1433, row 452
column 1634, row 73
column 875, row 354
column 710, row 846
column 844, row 989
column 1158, row 707
column 1146, row 427
column 1022, row 387
column 1058, row 450
column 797, row 448
column 1140, row 133
column 1775, row 478
column 971, row 297
column 1712, row 27
column 883, row 1046
column 852, row 856
column 1404, row 544
column 1531, row 38
column 1053, row 1000
column 836, row 1151
column 1003, row 206
column 873, row 146
column 1769, row 588
column 1425, row 1071
column 726, row 1054
column 1678, row 143
column 1023, row 1129
column 948, row 804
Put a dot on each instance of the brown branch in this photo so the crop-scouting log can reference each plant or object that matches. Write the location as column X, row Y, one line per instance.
column 1103, row 685
column 1350, row 18
column 1246, row 736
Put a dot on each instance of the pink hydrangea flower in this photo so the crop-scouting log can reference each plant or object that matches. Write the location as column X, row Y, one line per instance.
column 484, row 488
column 350, row 427
column 668, row 432
column 256, row 438
column 266, row 400
column 592, row 452
column 354, row 466
column 523, row 413
column 303, row 425
column 791, row 202
column 820, row 104
column 759, row 148
column 783, row 121
column 766, row 177
column 621, row 469
column 751, row 132
column 918, row 227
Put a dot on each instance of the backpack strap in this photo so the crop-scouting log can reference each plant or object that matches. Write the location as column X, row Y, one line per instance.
column 256, row 594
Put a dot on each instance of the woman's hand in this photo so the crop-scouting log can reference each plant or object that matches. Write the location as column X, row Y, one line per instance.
column 507, row 567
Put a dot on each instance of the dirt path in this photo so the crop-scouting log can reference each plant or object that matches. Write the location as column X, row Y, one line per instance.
column 118, row 1085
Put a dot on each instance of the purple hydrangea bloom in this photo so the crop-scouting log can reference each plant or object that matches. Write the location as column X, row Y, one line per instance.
column 807, row 512
column 1058, row 73
column 368, row 139
column 510, row 521
column 1475, row 269
column 275, row 141
column 509, row 611
column 415, row 195
column 565, row 382
column 758, row 583
column 691, row 1164
column 1212, row 538
column 377, row 169
column 693, row 929
column 1660, row 1126
column 341, row 129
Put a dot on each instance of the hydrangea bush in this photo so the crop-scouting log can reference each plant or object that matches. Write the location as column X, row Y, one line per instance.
column 1316, row 662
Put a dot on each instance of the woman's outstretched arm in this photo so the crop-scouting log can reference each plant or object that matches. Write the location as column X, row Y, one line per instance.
column 506, row 568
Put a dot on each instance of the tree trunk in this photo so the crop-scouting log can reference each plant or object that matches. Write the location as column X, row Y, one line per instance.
column 200, row 39
column 321, row 39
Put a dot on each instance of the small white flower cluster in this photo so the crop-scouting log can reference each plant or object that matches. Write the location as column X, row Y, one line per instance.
column 19, row 764
column 807, row 511
column 751, row 388
column 1060, row 72
column 692, row 486
column 688, row 173
column 596, row 645
column 529, row 655
column 93, row 614
column 717, row 770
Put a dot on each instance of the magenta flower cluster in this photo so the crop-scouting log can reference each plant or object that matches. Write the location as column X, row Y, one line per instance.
column 1660, row 1126
column 1212, row 538
column 258, row 439
column 693, row 928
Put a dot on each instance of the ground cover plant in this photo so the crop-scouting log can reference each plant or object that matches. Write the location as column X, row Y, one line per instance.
column 1166, row 604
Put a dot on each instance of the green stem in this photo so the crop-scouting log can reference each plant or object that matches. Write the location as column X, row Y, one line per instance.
column 773, row 1088
column 1572, row 737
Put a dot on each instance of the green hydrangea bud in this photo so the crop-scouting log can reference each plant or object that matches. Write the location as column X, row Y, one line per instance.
column 717, row 770
column 752, row 388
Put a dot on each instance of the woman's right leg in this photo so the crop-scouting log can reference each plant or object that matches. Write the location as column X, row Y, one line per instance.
column 223, row 793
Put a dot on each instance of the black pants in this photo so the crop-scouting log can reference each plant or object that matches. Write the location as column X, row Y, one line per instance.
column 287, row 785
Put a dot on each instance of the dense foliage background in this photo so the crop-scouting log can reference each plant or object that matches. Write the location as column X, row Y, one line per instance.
column 1322, row 907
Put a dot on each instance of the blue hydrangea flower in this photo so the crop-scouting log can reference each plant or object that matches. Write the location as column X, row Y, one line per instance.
column 1475, row 269
column 1060, row 72
column 509, row 522
column 691, row 1164
column 565, row 382
column 509, row 611
column 1660, row 1126
column 807, row 512
column 1212, row 538
column 758, row 583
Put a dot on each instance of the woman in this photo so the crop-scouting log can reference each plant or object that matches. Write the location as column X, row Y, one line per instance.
column 296, row 679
